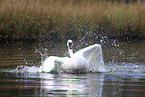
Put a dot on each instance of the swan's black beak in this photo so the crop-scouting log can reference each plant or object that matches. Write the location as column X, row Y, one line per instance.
column 70, row 45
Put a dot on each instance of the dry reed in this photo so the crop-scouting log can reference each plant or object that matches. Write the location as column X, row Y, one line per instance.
column 63, row 19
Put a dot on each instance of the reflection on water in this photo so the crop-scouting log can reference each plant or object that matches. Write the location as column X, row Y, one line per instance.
column 30, row 84
column 19, row 63
column 70, row 84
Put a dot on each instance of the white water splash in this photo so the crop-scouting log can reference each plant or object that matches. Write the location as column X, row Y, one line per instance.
column 125, row 68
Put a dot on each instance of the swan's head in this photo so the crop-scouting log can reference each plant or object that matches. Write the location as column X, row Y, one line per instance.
column 69, row 44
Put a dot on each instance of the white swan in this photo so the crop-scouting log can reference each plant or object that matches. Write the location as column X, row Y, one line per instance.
column 88, row 59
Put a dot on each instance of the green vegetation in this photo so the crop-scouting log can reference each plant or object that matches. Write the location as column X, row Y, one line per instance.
column 63, row 19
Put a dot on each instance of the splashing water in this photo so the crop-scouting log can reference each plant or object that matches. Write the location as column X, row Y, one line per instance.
column 127, row 68
column 22, row 69
column 43, row 54
column 119, row 53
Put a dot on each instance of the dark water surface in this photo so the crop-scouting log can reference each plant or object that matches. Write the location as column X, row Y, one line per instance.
column 125, row 76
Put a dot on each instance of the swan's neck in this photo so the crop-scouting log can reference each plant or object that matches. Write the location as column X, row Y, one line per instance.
column 70, row 52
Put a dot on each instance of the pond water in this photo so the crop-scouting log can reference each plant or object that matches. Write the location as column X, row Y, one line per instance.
column 124, row 61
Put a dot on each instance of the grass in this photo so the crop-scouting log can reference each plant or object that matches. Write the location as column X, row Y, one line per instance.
column 63, row 19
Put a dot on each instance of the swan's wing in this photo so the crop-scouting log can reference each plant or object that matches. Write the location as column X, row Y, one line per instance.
column 52, row 63
column 93, row 54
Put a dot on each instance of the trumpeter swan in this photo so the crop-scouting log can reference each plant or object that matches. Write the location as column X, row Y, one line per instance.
column 88, row 59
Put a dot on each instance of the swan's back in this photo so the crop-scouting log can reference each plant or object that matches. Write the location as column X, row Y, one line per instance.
column 76, row 64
